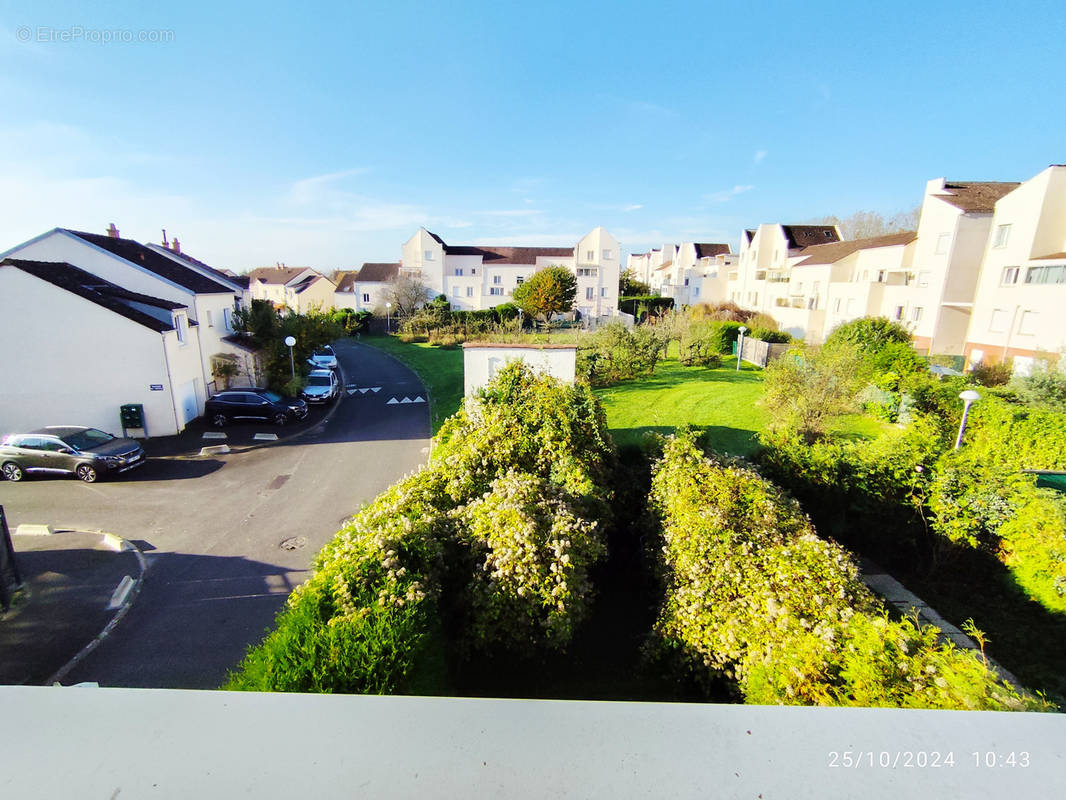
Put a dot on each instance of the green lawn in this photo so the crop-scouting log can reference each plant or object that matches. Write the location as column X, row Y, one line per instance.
column 723, row 403
column 441, row 370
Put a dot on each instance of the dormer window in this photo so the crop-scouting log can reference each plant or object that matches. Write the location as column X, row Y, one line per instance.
column 181, row 326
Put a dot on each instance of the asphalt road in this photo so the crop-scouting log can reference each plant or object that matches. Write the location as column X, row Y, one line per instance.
column 227, row 537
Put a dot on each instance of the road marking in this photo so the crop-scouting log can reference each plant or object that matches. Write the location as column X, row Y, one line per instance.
column 406, row 399
column 265, row 437
column 27, row 529
column 122, row 591
column 215, row 450
column 392, row 402
column 376, row 389
column 215, row 435
column 418, row 399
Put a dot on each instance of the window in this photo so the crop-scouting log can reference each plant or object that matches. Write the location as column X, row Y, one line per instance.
column 469, row 291
column 1002, row 234
column 603, row 291
column 590, row 255
column 473, row 270
column 496, row 279
column 459, row 272
column 1010, row 276
column 836, row 306
column 226, row 319
column 606, row 255
column 696, row 291
column 880, row 276
column 589, row 293
column 1052, row 274
column 428, row 255
column 851, row 305
column 584, row 272
column 210, row 322
column 1000, row 320
column 366, row 297
column 923, row 278
column 916, row 313
column 943, row 242
column 496, row 290
column 520, row 279
column 181, row 326
column 899, row 312
column 1027, row 327
column 455, row 291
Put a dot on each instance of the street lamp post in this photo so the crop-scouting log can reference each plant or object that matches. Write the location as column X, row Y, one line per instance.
column 968, row 397
column 290, row 341
column 740, row 345
column 388, row 318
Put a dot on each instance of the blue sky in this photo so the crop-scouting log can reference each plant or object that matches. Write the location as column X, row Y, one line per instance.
column 325, row 136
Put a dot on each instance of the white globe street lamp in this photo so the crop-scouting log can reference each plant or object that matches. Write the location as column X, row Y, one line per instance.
column 290, row 341
column 968, row 397
column 740, row 345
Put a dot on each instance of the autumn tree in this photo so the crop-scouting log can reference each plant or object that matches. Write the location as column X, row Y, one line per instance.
column 405, row 294
column 549, row 291
column 864, row 224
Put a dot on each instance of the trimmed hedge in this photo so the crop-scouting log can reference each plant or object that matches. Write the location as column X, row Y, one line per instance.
column 754, row 594
column 645, row 305
column 492, row 542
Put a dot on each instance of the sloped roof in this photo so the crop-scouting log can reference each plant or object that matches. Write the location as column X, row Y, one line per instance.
column 503, row 255
column 975, row 196
column 829, row 253
column 664, row 265
column 1049, row 255
column 275, row 275
column 802, row 236
column 375, row 272
column 146, row 257
column 310, row 281
column 707, row 250
column 239, row 280
column 97, row 290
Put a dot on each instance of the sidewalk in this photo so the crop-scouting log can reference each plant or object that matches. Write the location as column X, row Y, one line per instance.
column 76, row 586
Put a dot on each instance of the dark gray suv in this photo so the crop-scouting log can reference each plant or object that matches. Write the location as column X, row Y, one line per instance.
column 243, row 404
column 86, row 452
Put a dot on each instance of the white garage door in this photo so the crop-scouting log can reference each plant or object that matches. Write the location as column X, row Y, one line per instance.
column 187, row 402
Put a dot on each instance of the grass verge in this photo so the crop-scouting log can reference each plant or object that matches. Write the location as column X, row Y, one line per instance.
column 439, row 368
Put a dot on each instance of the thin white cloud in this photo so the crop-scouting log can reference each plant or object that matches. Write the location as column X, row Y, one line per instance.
column 726, row 195
column 310, row 190
column 759, row 156
column 632, row 207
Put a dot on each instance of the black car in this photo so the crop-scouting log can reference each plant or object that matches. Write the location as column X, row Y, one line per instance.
column 85, row 452
column 240, row 404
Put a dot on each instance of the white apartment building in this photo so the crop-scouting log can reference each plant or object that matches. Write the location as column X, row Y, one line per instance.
column 477, row 278
column 1019, row 306
column 690, row 273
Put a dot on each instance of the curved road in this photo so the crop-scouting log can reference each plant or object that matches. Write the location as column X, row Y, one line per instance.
column 228, row 537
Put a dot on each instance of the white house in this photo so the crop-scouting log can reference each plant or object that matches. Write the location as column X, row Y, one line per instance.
column 690, row 273
column 364, row 290
column 1019, row 305
column 141, row 269
column 85, row 347
column 482, row 360
column 475, row 277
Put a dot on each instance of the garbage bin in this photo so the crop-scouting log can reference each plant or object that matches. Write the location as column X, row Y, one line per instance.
column 132, row 416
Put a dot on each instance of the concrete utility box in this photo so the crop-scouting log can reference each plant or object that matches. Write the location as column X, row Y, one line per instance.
column 481, row 361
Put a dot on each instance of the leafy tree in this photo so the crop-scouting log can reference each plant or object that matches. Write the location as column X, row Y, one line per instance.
column 629, row 286
column 549, row 291
column 405, row 295
column 869, row 335
column 864, row 224
column 808, row 387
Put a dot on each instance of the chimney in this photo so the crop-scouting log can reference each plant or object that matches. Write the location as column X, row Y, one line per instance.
column 112, row 231
column 176, row 246
column 165, row 244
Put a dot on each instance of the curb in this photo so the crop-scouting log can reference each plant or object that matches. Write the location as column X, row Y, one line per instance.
column 122, row 599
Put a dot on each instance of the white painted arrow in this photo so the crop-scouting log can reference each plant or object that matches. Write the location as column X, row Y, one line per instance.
column 418, row 400
column 363, row 391
column 406, row 399
column 352, row 391
column 376, row 389
column 392, row 402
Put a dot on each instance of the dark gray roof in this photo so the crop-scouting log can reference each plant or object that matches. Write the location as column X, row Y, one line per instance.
column 975, row 196
column 149, row 259
column 97, row 290
column 708, row 250
column 503, row 255
column 800, row 236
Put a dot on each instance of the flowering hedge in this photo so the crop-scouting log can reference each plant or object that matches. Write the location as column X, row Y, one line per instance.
column 494, row 538
column 753, row 593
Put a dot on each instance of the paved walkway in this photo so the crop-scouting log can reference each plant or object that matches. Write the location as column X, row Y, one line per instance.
column 909, row 604
column 76, row 587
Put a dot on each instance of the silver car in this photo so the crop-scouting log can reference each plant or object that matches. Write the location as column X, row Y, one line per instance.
column 88, row 453
column 324, row 358
column 322, row 386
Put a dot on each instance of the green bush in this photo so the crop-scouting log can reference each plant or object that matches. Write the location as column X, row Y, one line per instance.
column 614, row 353
column 492, row 541
column 985, row 374
column 754, row 594
column 770, row 336
column 644, row 306
column 869, row 335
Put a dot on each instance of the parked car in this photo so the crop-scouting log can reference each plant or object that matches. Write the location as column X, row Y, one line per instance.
column 322, row 386
column 324, row 358
column 88, row 453
column 243, row 404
